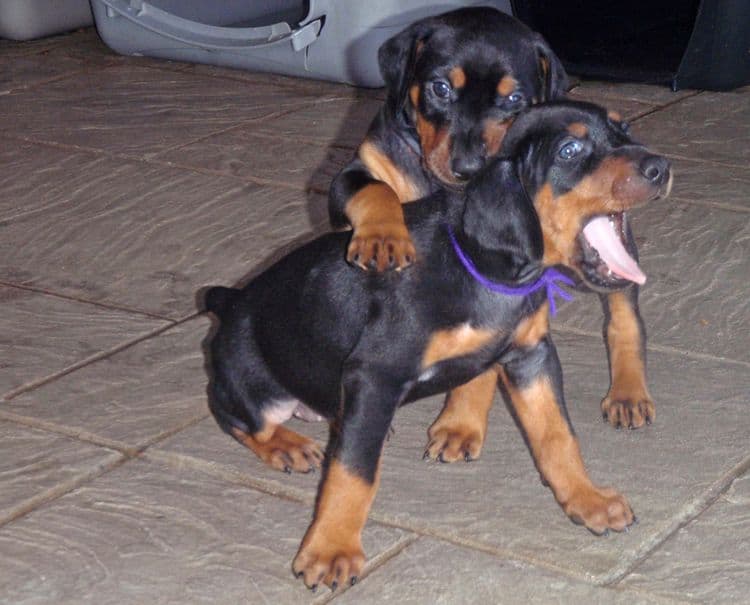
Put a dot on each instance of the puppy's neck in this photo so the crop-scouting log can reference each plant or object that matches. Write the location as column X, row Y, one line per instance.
column 499, row 228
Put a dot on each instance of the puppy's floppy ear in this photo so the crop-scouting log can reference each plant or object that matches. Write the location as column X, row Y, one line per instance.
column 397, row 58
column 502, row 231
column 552, row 74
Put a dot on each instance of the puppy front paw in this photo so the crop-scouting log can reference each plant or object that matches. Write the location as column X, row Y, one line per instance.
column 454, row 443
column 630, row 410
column 380, row 247
column 599, row 509
column 332, row 563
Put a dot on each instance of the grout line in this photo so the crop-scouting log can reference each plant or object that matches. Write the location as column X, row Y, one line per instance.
column 24, row 508
column 103, row 305
column 479, row 546
column 301, row 496
column 155, row 162
column 717, row 163
column 318, row 142
column 653, row 597
column 666, row 105
column 166, row 434
column 51, row 80
column 271, row 488
column 68, row 431
column 608, row 579
column 246, row 180
column 371, row 565
column 92, row 359
column 79, row 434
column 706, row 204
column 659, row 348
column 241, row 124
column 294, row 84
column 689, row 513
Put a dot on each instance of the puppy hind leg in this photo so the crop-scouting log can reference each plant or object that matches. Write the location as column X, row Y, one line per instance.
column 256, row 423
column 279, row 447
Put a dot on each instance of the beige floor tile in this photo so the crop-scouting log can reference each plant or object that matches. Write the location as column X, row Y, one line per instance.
column 33, row 463
column 707, row 561
column 242, row 153
column 33, row 177
column 133, row 396
column 711, row 126
column 21, row 72
column 42, row 335
column 145, row 533
column 137, row 110
column 148, row 238
column 710, row 184
column 340, row 122
column 434, row 573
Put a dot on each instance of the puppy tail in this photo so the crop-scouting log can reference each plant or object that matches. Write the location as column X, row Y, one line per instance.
column 218, row 298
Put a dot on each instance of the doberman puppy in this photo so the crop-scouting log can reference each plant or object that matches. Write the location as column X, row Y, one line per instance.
column 453, row 83
column 354, row 346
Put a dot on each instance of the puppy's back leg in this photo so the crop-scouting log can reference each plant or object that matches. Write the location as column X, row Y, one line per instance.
column 282, row 448
column 252, row 408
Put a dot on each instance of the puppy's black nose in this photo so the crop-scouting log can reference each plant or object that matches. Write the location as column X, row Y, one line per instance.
column 655, row 168
column 464, row 168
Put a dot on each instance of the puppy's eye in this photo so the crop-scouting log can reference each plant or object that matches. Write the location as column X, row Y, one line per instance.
column 515, row 98
column 441, row 88
column 570, row 149
column 625, row 127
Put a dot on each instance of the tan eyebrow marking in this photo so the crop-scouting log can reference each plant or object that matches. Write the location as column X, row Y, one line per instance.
column 506, row 85
column 457, row 76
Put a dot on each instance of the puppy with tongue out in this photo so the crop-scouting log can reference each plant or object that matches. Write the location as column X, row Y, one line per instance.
column 603, row 234
column 583, row 179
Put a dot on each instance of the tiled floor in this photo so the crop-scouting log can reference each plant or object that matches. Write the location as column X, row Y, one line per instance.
column 128, row 184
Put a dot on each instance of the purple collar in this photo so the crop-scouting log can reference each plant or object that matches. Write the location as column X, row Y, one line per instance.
column 546, row 280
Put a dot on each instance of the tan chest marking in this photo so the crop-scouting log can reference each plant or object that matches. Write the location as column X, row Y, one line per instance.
column 455, row 342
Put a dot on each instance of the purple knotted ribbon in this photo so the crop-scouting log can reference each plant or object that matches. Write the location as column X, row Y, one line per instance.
column 547, row 279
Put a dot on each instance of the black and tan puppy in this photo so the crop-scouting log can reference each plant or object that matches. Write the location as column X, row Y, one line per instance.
column 353, row 346
column 453, row 82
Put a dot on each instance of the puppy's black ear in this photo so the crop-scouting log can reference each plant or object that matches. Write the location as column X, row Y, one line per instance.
column 500, row 226
column 397, row 58
column 552, row 74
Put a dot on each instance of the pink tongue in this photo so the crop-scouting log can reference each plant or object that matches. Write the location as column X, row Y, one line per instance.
column 600, row 233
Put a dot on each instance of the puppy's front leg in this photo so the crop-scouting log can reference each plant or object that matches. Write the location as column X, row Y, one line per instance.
column 628, row 402
column 331, row 551
column 533, row 380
